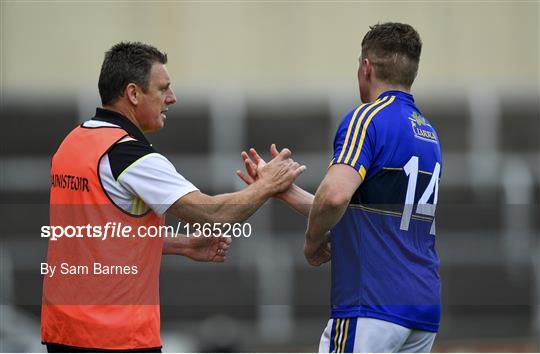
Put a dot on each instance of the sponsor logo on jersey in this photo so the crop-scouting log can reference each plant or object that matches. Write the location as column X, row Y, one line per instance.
column 421, row 128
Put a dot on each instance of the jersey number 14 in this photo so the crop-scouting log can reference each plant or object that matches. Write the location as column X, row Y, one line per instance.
column 423, row 207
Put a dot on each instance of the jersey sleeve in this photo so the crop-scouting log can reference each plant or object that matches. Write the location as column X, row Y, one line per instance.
column 354, row 143
column 154, row 179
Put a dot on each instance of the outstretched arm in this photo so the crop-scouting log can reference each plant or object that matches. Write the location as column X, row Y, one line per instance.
column 298, row 199
column 275, row 177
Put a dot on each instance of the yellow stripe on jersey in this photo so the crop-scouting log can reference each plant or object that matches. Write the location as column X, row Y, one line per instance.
column 363, row 136
column 393, row 168
column 401, row 169
column 345, row 335
column 351, row 125
column 422, row 218
column 337, row 334
column 389, row 213
column 140, row 208
column 374, row 210
column 134, row 205
column 362, row 172
column 358, row 123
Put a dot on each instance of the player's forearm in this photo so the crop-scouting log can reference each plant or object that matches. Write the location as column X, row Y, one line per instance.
column 224, row 208
column 325, row 212
column 321, row 220
column 298, row 199
column 238, row 206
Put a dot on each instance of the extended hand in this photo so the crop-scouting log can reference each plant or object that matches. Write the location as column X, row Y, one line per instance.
column 277, row 172
column 253, row 163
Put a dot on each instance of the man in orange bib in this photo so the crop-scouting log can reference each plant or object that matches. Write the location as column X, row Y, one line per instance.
column 109, row 189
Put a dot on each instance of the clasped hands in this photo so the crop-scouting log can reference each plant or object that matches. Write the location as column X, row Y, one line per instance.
column 316, row 252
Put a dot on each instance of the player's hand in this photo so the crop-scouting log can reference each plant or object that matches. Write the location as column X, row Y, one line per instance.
column 317, row 254
column 208, row 249
column 254, row 162
column 276, row 175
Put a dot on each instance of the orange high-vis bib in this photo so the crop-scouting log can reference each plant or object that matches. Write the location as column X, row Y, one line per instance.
column 104, row 293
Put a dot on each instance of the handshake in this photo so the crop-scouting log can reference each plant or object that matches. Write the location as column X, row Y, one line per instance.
column 281, row 172
column 277, row 176
column 264, row 180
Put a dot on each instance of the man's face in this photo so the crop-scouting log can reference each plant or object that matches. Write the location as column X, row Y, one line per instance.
column 154, row 102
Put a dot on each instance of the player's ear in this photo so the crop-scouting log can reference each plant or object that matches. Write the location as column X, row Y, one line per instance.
column 132, row 93
column 366, row 68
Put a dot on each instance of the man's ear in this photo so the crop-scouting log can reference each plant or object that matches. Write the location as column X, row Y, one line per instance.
column 132, row 93
column 367, row 68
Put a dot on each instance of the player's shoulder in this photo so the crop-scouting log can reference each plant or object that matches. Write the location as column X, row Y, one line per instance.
column 128, row 152
column 372, row 113
column 380, row 107
column 350, row 119
column 353, row 113
column 383, row 108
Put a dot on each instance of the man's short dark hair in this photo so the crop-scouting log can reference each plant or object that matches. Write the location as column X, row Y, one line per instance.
column 124, row 63
column 394, row 50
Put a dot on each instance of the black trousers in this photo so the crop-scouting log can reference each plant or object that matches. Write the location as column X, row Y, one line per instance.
column 60, row 348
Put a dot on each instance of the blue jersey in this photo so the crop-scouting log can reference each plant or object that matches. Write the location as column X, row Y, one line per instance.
column 384, row 263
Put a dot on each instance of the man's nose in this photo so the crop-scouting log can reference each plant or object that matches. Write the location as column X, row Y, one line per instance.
column 171, row 98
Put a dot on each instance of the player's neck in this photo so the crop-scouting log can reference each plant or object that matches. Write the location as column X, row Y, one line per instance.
column 381, row 87
column 125, row 111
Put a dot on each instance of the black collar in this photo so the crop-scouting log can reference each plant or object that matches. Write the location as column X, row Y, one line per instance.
column 106, row 115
